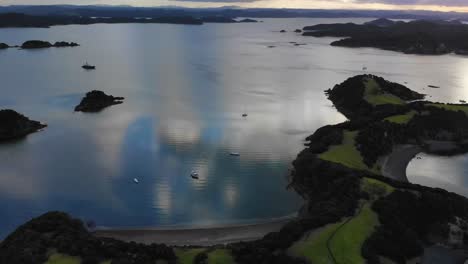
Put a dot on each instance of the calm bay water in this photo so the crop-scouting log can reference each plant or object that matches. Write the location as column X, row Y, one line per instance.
column 185, row 88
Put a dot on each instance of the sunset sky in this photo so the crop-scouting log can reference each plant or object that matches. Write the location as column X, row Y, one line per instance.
column 436, row 5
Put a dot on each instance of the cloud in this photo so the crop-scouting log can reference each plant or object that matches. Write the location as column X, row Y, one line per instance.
column 454, row 3
column 218, row 1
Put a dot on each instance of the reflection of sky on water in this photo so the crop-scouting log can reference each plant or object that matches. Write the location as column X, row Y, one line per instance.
column 449, row 173
column 185, row 88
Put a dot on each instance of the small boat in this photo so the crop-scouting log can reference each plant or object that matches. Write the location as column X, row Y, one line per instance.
column 234, row 154
column 433, row 86
column 135, row 180
column 364, row 68
column 86, row 66
column 194, row 175
column 244, row 115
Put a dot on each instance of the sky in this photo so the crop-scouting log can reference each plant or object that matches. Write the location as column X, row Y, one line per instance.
column 435, row 5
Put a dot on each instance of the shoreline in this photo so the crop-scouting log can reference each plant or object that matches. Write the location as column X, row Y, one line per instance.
column 193, row 236
column 394, row 165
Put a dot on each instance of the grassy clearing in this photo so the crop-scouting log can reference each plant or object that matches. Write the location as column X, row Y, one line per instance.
column 347, row 243
column 401, row 119
column 314, row 247
column 375, row 188
column 220, row 256
column 375, row 96
column 186, row 256
column 347, row 154
column 57, row 258
column 450, row 107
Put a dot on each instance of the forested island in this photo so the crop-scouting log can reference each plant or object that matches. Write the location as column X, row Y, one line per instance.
column 431, row 37
column 95, row 101
column 45, row 21
column 40, row 44
column 14, row 125
column 353, row 212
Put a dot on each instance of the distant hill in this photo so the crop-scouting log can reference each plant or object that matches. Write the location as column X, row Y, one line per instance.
column 23, row 20
column 230, row 12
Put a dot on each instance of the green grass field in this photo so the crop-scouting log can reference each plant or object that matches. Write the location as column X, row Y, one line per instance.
column 314, row 247
column 375, row 188
column 220, row 256
column 455, row 108
column 375, row 96
column 186, row 256
column 401, row 119
column 347, row 243
column 347, row 154
column 57, row 258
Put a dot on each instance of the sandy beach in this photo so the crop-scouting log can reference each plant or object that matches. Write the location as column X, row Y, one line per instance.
column 195, row 236
column 394, row 165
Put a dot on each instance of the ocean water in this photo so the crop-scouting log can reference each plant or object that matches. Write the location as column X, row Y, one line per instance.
column 186, row 88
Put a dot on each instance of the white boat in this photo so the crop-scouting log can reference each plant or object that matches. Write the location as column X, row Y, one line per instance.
column 135, row 180
column 194, row 174
column 234, row 154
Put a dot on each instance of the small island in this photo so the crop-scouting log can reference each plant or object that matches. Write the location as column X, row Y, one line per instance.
column 14, row 125
column 4, row 46
column 429, row 37
column 95, row 101
column 39, row 44
column 248, row 20
column 224, row 19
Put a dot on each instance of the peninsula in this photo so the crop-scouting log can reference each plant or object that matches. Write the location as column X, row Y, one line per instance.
column 431, row 37
column 353, row 212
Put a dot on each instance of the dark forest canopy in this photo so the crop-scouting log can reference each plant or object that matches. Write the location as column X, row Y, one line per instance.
column 414, row 37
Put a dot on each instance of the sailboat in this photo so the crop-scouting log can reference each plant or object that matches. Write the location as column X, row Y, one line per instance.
column 245, row 113
column 86, row 66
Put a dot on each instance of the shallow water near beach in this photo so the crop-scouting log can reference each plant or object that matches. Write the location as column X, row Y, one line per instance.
column 186, row 88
